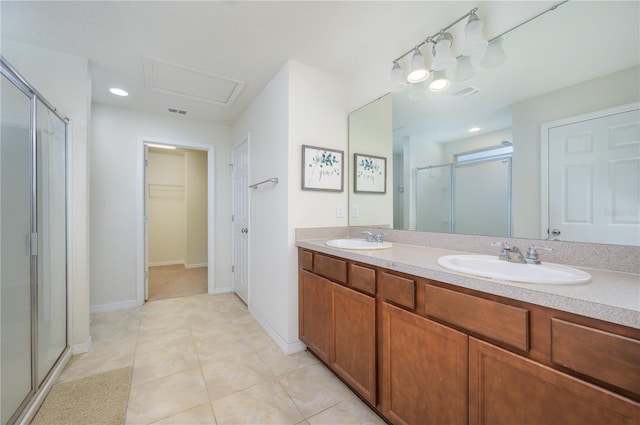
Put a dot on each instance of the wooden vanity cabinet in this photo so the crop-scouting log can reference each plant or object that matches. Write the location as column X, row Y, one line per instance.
column 449, row 355
column 505, row 388
column 337, row 323
column 315, row 313
column 424, row 370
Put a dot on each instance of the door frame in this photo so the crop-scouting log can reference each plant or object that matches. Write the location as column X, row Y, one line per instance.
column 140, row 208
column 544, row 153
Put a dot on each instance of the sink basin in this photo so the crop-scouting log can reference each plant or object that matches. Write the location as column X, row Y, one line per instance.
column 491, row 266
column 357, row 244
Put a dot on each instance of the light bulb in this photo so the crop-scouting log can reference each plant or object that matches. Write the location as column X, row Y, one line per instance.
column 474, row 40
column 418, row 71
column 440, row 82
column 443, row 57
column 398, row 82
column 494, row 55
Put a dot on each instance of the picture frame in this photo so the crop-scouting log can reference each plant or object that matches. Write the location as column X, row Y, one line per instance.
column 370, row 173
column 322, row 169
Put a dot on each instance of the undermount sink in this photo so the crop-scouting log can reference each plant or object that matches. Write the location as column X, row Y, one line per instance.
column 492, row 267
column 357, row 244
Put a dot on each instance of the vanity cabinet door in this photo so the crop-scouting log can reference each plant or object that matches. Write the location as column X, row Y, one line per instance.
column 424, row 370
column 315, row 313
column 505, row 388
column 354, row 333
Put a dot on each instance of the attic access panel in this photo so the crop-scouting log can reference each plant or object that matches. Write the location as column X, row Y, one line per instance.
column 177, row 80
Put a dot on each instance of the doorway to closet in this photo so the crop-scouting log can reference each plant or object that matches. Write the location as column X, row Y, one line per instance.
column 176, row 229
column 176, row 187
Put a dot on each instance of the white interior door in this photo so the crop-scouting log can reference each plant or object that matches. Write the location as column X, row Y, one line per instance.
column 594, row 180
column 146, row 222
column 240, row 225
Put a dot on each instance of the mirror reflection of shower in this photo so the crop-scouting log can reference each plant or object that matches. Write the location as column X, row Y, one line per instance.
column 452, row 197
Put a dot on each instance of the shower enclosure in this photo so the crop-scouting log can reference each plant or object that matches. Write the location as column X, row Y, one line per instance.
column 452, row 198
column 33, row 248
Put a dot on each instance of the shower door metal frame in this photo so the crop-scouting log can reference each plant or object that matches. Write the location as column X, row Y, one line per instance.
column 38, row 392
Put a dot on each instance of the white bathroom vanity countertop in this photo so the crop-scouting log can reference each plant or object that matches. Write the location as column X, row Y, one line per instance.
column 610, row 296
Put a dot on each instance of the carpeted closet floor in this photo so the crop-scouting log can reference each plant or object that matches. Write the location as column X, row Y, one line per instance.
column 176, row 281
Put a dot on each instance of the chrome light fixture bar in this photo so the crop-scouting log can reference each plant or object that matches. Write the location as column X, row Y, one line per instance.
column 443, row 57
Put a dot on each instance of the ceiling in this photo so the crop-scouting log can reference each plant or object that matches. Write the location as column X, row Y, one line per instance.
column 241, row 41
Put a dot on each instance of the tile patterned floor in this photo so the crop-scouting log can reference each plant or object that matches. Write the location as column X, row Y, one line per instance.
column 203, row 359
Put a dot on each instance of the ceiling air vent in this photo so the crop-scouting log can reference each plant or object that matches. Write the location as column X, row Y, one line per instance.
column 467, row 91
column 177, row 80
column 178, row 111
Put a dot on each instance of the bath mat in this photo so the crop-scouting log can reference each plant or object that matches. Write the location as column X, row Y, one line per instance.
column 98, row 399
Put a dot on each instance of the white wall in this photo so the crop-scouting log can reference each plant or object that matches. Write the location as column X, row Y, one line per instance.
column 65, row 82
column 318, row 117
column 612, row 90
column 196, row 187
column 113, row 202
column 301, row 105
column 167, row 208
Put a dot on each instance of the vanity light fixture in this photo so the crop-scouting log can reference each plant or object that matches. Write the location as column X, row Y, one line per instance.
column 442, row 42
column 474, row 40
column 442, row 55
column 118, row 92
column 494, row 55
column 419, row 71
column 474, row 129
column 417, row 92
column 440, row 82
column 464, row 71
column 398, row 81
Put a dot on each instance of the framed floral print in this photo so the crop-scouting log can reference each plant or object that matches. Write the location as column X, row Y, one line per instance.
column 322, row 169
column 370, row 174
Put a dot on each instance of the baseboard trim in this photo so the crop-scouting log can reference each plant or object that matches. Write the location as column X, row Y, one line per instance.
column 167, row 263
column 82, row 347
column 121, row 305
column 222, row 290
column 195, row 266
column 286, row 347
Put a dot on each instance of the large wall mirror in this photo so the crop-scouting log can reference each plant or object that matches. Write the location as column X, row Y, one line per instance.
column 557, row 153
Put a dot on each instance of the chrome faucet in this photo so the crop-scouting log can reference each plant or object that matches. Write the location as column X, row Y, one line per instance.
column 513, row 254
column 373, row 237
column 532, row 254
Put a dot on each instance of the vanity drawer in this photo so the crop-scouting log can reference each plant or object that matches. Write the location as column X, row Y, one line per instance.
column 605, row 356
column 500, row 322
column 331, row 268
column 362, row 279
column 306, row 259
column 399, row 290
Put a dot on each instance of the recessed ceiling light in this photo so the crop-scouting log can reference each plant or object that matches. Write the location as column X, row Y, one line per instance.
column 118, row 92
column 474, row 129
column 152, row 145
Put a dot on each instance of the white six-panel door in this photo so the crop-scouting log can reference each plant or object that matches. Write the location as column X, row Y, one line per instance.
column 594, row 179
column 240, row 224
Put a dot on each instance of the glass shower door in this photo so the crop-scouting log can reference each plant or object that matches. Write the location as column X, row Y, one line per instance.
column 433, row 198
column 482, row 198
column 52, row 246
column 15, row 249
